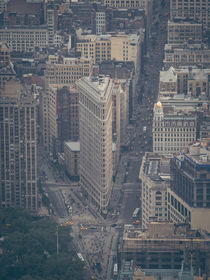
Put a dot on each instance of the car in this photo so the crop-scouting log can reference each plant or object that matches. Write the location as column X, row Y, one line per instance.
column 69, row 223
column 136, row 222
column 113, row 225
column 83, row 228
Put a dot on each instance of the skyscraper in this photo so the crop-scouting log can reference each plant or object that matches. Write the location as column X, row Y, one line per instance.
column 96, row 139
column 189, row 193
column 18, row 148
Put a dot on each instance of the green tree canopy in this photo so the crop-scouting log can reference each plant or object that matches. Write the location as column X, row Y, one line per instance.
column 29, row 249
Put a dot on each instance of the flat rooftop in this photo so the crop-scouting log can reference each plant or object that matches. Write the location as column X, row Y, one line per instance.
column 156, row 167
column 165, row 230
column 199, row 154
column 74, row 146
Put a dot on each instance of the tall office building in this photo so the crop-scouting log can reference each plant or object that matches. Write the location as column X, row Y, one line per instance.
column 189, row 194
column 96, row 139
column 155, row 177
column 62, row 117
column 18, row 148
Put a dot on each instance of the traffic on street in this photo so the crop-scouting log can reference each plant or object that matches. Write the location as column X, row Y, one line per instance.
column 96, row 237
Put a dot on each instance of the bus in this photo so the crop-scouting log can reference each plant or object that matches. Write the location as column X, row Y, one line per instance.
column 115, row 269
column 79, row 255
column 135, row 213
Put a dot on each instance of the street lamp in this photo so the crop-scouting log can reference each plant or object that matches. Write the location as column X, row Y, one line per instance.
column 57, row 242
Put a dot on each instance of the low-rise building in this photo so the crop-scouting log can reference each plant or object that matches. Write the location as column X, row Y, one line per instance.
column 146, row 5
column 120, row 47
column 162, row 246
column 172, row 131
column 72, row 157
column 182, row 30
column 25, row 38
column 23, row 12
column 66, row 70
column 186, row 80
column 185, row 103
column 168, row 83
column 188, row 55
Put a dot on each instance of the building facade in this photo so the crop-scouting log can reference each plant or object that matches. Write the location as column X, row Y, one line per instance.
column 4, row 54
column 25, row 39
column 163, row 245
column 18, row 149
column 63, row 117
column 7, row 71
column 168, row 83
column 197, row 10
column 189, row 194
column 186, row 56
column 96, row 170
column 120, row 47
column 172, row 131
column 96, row 48
column 66, row 71
column 181, row 31
column 155, row 177
column 186, row 80
column 100, row 21
column 141, row 4
column 72, row 158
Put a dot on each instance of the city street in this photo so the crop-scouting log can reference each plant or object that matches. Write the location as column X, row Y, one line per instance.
column 96, row 238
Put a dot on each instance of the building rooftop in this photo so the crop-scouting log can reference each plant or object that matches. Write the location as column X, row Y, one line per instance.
column 194, row 72
column 182, row 101
column 23, row 27
column 157, row 167
column 97, row 86
column 23, row 7
column 198, row 153
column 73, row 146
column 186, row 47
column 8, row 69
column 165, row 230
column 4, row 46
column 184, row 21
column 168, row 75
